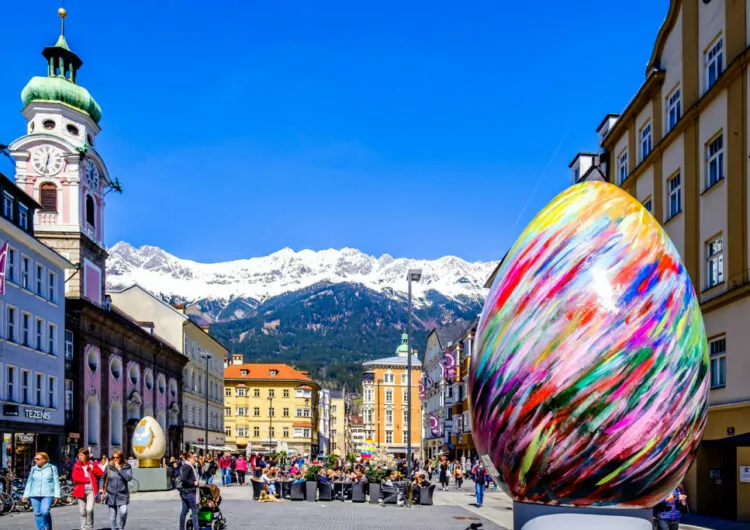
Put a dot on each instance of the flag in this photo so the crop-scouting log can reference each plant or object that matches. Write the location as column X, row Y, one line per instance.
column 450, row 365
column 422, row 393
column 3, row 259
column 434, row 425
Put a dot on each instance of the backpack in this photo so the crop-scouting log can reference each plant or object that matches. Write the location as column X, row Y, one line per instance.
column 178, row 482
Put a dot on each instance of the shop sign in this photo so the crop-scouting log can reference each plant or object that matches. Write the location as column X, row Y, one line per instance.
column 34, row 414
column 28, row 438
column 744, row 473
column 10, row 409
column 74, row 435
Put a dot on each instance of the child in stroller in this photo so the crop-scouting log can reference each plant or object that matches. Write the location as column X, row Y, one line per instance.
column 209, row 513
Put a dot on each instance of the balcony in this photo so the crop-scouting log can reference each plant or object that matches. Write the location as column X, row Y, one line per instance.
column 46, row 218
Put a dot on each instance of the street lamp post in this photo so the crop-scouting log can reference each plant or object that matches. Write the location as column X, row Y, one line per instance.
column 205, row 439
column 414, row 275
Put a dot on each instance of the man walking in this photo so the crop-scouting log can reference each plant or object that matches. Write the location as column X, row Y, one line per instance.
column 225, row 465
column 479, row 483
column 188, row 486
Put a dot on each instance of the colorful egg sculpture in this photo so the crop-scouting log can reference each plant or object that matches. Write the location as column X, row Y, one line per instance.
column 588, row 382
column 149, row 443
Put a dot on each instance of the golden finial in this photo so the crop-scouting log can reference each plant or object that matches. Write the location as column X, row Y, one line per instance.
column 62, row 14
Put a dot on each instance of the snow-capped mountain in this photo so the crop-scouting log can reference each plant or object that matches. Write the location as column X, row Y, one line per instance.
column 262, row 278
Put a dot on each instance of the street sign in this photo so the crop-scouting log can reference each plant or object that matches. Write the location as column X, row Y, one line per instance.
column 744, row 473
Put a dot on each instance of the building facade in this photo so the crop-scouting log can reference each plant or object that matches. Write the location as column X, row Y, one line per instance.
column 384, row 401
column 115, row 372
column 681, row 148
column 355, row 434
column 338, row 422
column 439, row 397
column 324, row 421
column 460, row 429
column 270, row 407
column 203, row 376
column 32, row 366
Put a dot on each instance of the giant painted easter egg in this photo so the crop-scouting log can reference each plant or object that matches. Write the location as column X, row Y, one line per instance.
column 149, row 444
column 588, row 378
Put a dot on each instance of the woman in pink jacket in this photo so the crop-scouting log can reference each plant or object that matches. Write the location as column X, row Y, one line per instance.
column 241, row 468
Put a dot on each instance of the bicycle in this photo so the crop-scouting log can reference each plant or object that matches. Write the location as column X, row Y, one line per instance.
column 6, row 503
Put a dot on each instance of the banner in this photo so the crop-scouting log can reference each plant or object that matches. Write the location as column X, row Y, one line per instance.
column 450, row 365
column 422, row 393
column 3, row 259
column 434, row 425
column 368, row 449
column 457, row 424
column 428, row 382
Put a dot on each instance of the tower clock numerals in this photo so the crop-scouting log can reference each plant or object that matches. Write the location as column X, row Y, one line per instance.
column 47, row 160
column 92, row 174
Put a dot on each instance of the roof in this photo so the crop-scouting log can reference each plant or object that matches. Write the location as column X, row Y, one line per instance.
column 450, row 333
column 395, row 361
column 606, row 118
column 262, row 372
column 337, row 394
column 356, row 420
column 579, row 155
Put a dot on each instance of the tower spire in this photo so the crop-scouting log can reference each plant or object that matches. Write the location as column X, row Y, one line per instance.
column 62, row 14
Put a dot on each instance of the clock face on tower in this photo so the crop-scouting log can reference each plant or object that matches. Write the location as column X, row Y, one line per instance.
column 47, row 160
column 92, row 174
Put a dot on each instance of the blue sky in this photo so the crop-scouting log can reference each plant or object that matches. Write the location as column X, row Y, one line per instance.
column 418, row 129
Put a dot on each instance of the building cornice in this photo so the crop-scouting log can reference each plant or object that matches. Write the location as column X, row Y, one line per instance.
column 661, row 38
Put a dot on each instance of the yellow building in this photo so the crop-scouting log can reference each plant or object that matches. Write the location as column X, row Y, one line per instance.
column 384, row 408
column 270, row 407
column 338, row 422
column 681, row 148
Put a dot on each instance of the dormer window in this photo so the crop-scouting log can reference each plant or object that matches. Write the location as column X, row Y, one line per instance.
column 274, row 373
column 48, row 197
column 23, row 217
column 72, row 129
column 8, row 206
column 48, row 124
column 576, row 174
column 244, row 372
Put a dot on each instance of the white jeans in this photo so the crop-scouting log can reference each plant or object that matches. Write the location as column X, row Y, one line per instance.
column 86, row 509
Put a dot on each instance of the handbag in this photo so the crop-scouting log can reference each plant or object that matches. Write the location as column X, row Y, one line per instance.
column 101, row 496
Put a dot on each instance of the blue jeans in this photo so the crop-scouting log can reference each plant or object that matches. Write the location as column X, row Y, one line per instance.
column 226, row 476
column 479, row 487
column 190, row 503
column 41, row 507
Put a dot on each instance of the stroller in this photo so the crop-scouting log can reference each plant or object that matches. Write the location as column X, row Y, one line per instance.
column 209, row 513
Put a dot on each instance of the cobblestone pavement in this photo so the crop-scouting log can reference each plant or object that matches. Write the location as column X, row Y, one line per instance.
column 155, row 511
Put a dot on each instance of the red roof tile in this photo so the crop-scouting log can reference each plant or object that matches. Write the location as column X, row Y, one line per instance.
column 262, row 372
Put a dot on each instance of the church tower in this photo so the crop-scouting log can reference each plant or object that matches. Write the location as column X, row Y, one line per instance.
column 58, row 165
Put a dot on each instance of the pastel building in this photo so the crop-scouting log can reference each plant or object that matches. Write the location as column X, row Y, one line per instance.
column 32, row 322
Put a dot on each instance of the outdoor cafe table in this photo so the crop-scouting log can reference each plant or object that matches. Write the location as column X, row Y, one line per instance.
column 340, row 487
column 284, row 487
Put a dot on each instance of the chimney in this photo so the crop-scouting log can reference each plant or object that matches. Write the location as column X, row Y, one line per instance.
column 179, row 307
column 237, row 359
column 206, row 328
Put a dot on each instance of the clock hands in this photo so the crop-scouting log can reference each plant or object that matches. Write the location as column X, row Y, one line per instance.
column 46, row 163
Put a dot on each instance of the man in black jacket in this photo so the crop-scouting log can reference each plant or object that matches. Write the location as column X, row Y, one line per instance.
column 189, row 490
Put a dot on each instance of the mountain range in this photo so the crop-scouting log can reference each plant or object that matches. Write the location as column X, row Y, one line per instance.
column 325, row 311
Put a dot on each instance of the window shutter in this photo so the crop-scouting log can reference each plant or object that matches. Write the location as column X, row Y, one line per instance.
column 48, row 197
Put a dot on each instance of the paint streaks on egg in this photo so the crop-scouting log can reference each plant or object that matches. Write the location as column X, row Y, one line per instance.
column 588, row 380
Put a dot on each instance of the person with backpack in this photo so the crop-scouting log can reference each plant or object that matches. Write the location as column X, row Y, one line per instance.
column 187, row 484
column 479, row 483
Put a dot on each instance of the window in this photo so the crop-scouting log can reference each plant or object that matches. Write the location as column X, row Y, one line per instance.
column 11, row 325
column 23, row 217
column 714, row 63
column 622, row 167
column 389, row 395
column 241, row 392
column 11, row 265
column 256, row 411
column 286, row 392
column 256, row 392
column 26, row 273
column 270, row 392
column 228, row 432
column 68, row 345
column 39, row 280
column 39, row 328
column 228, row 392
column 25, row 331
column 51, row 401
column 26, row 387
column 244, row 372
column 90, row 212
column 674, row 109
column 404, row 437
column 270, row 411
column 577, row 174
column 648, row 205
column 285, row 412
column 270, row 432
column 256, row 432
column 714, row 261
column 389, row 437
column 286, row 432
column 306, row 433
column 241, row 432
column 334, row 408
column 404, row 417
column 675, row 196
column 715, row 161
column 717, row 349
column 389, row 378
column 403, row 379
column 39, row 389
column 274, row 373
column 10, row 382
column 48, row 197
column 227, row 411
column 51, row 339
column 646, row 141
column 8, row 206
column 389, row 417
column 242, row 411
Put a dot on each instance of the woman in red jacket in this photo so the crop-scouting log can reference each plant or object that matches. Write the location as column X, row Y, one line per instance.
column 86, row 485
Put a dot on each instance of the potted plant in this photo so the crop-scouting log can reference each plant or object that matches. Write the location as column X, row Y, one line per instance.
column 311, row 483
column 374, row 477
